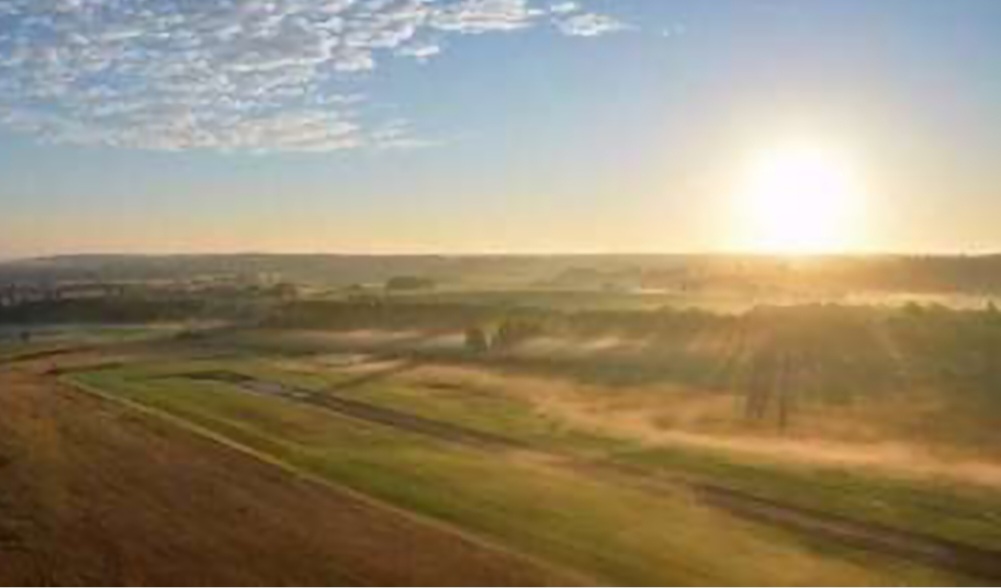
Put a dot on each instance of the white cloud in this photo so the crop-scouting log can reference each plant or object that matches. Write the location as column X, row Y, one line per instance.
column 482, row 16
column 420, row 51
column 247, row 75
column 590, row 25
column 564, row 7
column 675, row 30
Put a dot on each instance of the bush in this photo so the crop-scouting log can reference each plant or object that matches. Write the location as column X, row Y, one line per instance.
column 477, row 340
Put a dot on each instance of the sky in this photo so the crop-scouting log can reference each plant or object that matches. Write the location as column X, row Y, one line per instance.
column 487, row 126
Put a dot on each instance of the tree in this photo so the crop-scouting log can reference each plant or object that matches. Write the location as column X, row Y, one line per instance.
column 477, row 340
column 285, row 292
column 405, row 283
column 511, row 332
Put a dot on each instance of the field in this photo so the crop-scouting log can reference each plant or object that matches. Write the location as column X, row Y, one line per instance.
column 792, row 446
column 500, row 293
column 97, row 493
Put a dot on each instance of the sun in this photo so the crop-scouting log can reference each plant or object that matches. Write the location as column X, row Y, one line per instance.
column 800, row 200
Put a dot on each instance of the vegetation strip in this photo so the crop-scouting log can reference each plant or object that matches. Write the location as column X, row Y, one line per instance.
column 969, row 559
column 915, row 547
column 367, row 412
column 576, row 576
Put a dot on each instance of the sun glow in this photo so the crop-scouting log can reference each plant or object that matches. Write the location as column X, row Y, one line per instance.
column 800, row 200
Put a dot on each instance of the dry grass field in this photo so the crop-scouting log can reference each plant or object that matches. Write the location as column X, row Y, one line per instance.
column 95, row 493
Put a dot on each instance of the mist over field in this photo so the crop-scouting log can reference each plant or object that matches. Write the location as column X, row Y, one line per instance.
column 839, row 415
column 500, row 293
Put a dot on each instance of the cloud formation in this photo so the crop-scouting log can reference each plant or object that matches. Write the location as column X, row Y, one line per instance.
column 589, row 24
column 244, row 75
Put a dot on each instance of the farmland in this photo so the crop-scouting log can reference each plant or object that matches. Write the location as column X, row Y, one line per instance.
column 593, row 456
column 500, row 293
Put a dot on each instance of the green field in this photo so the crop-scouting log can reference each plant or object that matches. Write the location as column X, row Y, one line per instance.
column 786, row 445
column 539, row 500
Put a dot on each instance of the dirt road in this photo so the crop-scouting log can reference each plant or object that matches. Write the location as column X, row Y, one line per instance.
column 92, row 493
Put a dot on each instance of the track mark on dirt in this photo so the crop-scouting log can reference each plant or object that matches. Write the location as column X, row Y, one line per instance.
column 364, row 411
column 41, row 354
column 916, row 547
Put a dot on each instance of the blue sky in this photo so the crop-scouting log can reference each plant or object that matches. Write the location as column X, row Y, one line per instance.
column 482, row 125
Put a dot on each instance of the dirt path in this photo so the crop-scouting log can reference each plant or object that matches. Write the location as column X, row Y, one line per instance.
column 910, row 546
column 92, row 493
column 41, row 354
column 365, row 411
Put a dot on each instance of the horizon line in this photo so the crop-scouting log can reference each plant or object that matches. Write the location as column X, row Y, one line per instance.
column 513, row 254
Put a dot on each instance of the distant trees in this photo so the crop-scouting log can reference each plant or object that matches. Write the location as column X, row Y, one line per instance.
column 502, row 325
column 512, row 332
column 503, row 335
column 129, row 310
column 992, row 310
column 409, row 283
column 826, row 352
column 285, row 292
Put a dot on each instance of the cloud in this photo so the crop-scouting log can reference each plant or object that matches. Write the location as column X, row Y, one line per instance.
column 590, row 25
column 243, row 75
column 675, row 30
column 420, row 51
column 564, row 7
column 483, row 16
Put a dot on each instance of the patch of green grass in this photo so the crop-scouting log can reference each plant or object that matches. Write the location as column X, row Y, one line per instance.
column 583, row 521
column 484, row 410
column 50, row 338
column 468, row 405
column 493, row 413
column 964, row 513
column 967, row 513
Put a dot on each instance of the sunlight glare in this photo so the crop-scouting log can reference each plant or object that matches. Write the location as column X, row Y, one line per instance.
column 800, row 200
